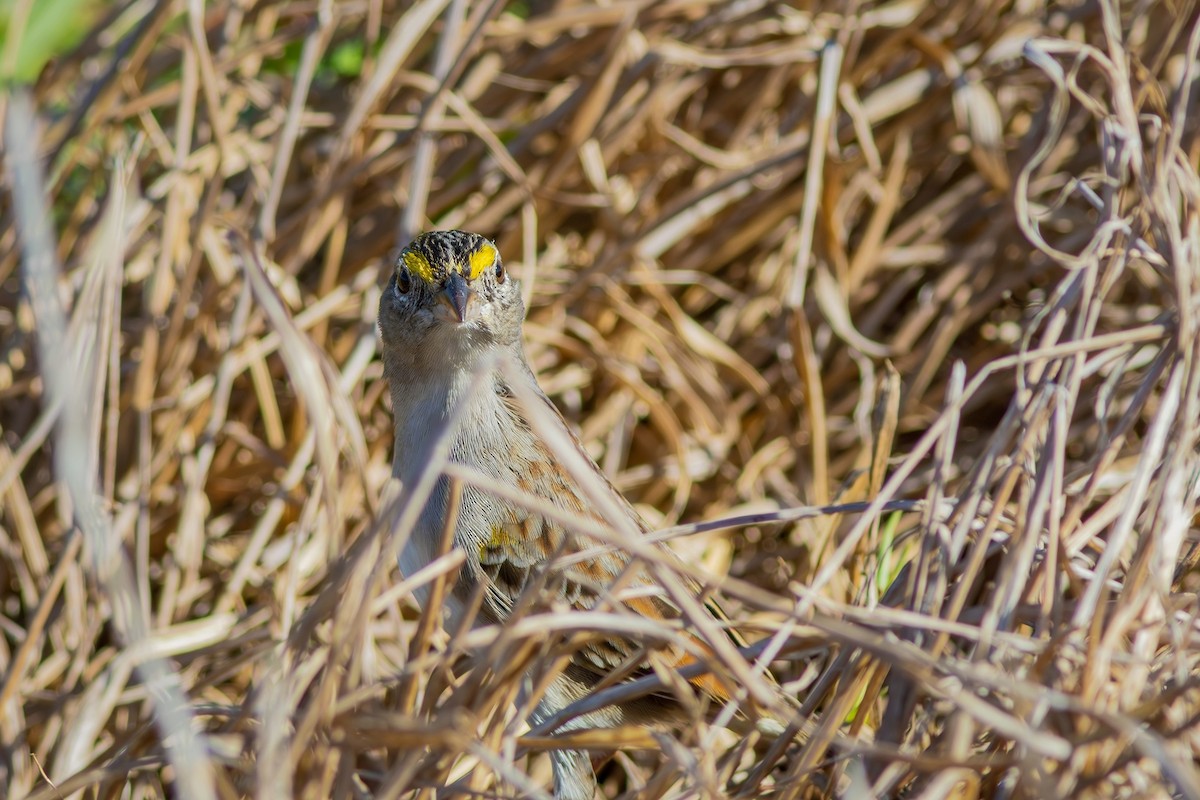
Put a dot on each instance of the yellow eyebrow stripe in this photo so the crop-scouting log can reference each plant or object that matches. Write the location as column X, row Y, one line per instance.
column 480, row 260
column 418, row 265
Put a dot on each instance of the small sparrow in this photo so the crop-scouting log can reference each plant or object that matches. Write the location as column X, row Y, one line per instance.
column 450, row 317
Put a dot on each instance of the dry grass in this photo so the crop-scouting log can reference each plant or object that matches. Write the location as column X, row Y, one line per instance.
column 776, row 258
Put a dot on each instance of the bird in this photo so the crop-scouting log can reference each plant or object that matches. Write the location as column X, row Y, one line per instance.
column 450, row 318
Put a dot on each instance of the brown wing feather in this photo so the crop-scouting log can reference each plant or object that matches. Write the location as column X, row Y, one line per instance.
column 520, row 552
column 509, row 566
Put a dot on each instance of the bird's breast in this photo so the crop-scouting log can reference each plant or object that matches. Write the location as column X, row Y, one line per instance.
column 471, row 414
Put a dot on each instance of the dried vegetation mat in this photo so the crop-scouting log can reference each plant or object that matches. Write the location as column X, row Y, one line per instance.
column 908, row 290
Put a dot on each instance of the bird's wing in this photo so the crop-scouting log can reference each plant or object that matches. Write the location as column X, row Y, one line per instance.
column 606, row 580
column 532, row 552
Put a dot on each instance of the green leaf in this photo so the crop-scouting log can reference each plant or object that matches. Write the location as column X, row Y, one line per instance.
column 347, row 58
column 52, row 28
column 889, row 561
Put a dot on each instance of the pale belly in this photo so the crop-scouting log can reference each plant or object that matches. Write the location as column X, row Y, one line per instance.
column 484, row 440
column 479, row 512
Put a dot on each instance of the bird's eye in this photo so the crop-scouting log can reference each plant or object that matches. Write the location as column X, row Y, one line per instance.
column 403, row 281
column 499, row 271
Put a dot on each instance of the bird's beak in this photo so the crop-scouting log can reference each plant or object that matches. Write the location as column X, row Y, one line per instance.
column 457, row 295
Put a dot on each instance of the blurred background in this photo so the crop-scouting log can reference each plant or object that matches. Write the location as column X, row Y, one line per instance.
column 775, row 255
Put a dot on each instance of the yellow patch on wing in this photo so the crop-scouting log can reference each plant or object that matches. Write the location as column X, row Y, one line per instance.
column 418, row 265
column 501, row 540
column 480, row 260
